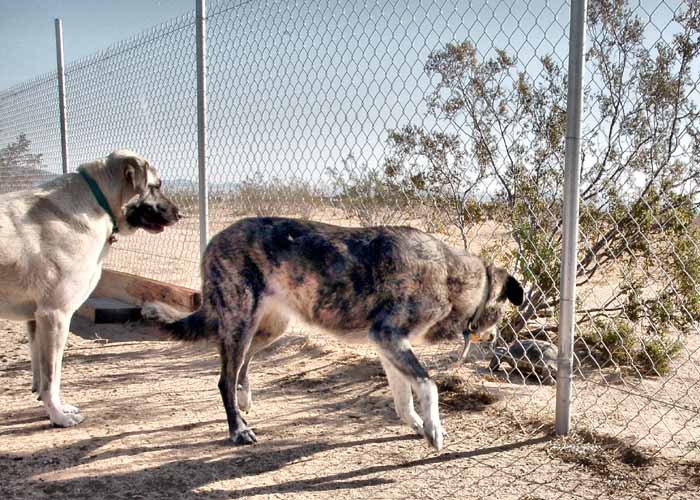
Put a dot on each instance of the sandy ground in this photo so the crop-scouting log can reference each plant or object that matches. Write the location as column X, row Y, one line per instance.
column 155, row 428
column 324, row 418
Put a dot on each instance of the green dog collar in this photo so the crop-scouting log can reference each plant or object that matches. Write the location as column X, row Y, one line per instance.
column 100, row 197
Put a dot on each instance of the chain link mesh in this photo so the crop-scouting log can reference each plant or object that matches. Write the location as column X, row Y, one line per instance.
column 448, row 116
column 29, row 113
column 141, row 94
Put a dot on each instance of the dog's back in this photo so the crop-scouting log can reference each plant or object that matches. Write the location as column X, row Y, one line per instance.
column 334, row 277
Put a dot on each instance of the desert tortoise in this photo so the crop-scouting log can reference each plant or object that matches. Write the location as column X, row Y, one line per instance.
column 529, row 356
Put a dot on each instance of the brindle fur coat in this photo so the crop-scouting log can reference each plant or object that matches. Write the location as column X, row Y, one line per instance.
column 391, row 286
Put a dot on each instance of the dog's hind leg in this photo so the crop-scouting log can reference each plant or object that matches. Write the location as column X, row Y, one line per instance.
column 271, row 327
column 233, row 288
column 238, row 314
column 403, row 397
column 235, row 337
column 390, row 336
column 34, row 351
column 51, row 335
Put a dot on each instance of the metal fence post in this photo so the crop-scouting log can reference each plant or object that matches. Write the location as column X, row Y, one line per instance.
column 202, row 126
column 61, row 93
column 572, row 172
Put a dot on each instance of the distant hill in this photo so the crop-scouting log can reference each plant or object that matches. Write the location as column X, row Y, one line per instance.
column 191, row 187
column 17, row 178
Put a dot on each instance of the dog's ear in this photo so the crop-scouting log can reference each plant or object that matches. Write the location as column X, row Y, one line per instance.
column 135, row 173
column 504, row 286
column 513, row 291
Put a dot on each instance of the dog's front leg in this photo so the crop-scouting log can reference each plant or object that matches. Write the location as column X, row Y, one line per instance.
column 393, row 345
column 243, row 392
column 34, row 351
column 403, row 398
column 51, row 335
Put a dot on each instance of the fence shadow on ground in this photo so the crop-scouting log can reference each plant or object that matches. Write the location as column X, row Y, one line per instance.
column 173, row 479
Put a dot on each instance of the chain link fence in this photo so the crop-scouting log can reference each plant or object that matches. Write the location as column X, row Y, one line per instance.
column 451, row 117
column 31, row 147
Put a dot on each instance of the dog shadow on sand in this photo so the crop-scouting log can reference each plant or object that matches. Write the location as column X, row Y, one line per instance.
column 183, row 477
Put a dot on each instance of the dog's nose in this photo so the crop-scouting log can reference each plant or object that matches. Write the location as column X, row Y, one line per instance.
column 169, row 211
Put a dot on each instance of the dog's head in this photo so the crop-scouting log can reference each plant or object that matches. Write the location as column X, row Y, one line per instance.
column 147, row 207
column 499, row 287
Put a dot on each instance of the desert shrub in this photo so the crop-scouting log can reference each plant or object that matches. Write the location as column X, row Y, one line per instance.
column 615, row 342
column 611, row 341
column 499, row 142
column 274, row 197
column 656, row 353
column 20, row 168
column 366, row 196
column 18, row 155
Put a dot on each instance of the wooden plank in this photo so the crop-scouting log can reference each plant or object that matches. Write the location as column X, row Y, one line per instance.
column 86, row 311
column 134, row 289
column 104, row 310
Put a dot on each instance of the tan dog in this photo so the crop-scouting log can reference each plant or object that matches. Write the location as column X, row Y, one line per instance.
column 54, row 240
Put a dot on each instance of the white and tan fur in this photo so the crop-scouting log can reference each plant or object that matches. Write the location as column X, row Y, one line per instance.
column 54, row 240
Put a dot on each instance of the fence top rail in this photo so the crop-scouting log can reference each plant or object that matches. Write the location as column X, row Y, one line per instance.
column 140, row 39
column 28, row 85
column 143, row 38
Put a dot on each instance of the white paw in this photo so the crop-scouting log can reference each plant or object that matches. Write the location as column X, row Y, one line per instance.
column 66, row 408
column 414, row 422
column 150, row 312
column 418, row 428
column 245, row 398
column 60, row 419
column 434, row 434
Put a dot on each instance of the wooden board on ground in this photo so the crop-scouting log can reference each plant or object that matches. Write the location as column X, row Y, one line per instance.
column 118, row 297
column 105, row 310
column 134, row 289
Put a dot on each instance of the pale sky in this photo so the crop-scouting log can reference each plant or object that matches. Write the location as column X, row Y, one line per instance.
column 27, row 41
column 294, row 87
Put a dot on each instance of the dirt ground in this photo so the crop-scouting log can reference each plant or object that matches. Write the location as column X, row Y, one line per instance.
column 155, row 428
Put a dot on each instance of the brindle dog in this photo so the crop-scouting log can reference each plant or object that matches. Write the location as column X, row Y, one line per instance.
column 390, row 285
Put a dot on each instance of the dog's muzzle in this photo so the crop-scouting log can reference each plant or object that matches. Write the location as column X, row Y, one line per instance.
column 153, row 217
column 471, row 336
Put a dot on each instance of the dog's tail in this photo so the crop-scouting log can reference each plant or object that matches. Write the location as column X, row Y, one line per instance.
column 177, row 325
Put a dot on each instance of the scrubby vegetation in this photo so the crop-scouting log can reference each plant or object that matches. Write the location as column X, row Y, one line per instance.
column 496, row 153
